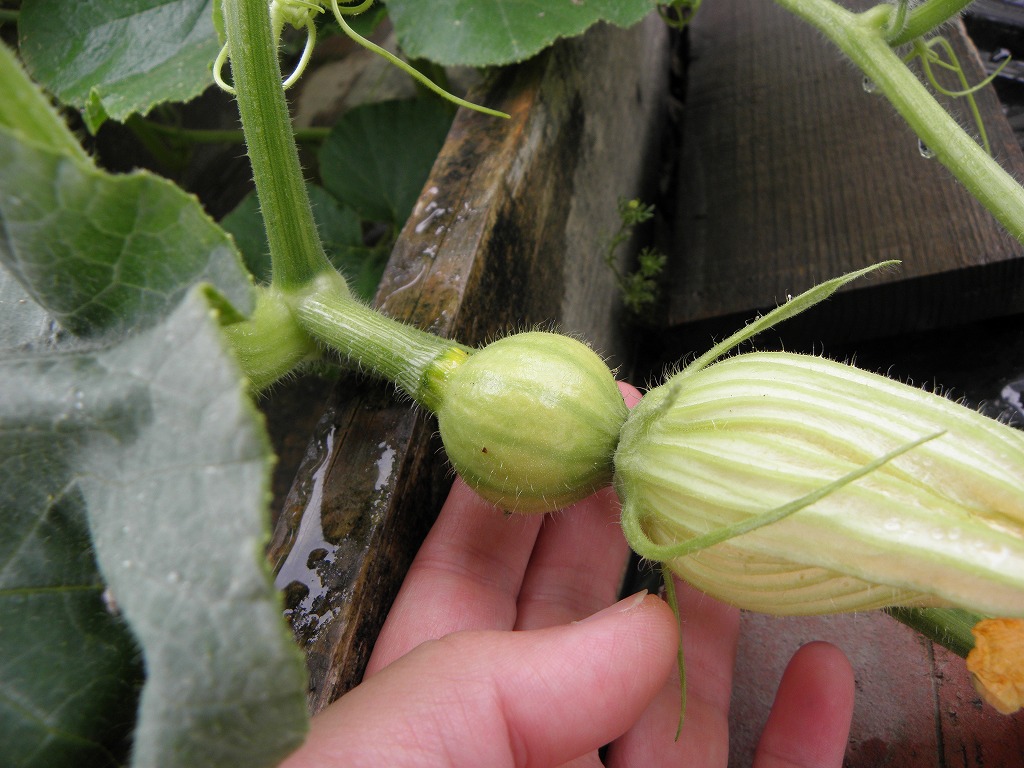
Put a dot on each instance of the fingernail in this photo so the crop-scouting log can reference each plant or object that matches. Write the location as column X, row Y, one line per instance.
column 623, row 606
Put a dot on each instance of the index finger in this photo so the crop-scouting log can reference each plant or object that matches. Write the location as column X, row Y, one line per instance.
column 466, row 575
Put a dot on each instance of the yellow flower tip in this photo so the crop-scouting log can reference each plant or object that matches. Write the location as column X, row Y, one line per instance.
column 996, row 663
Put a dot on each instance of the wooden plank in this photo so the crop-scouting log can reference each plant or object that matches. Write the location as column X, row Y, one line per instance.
column 494, row 243
column 791, row 173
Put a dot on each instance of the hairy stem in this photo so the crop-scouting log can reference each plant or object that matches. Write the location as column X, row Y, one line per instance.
column 862, row 38
column 417, row 362
column 949, row 627
column 296, row 254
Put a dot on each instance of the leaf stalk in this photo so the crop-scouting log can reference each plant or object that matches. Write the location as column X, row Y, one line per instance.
column 949, row 627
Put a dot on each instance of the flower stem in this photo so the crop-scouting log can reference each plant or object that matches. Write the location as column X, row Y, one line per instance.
column 949, row 627
column 296, row 254
column 417, row 362
column 308, row 302
column 862, row 38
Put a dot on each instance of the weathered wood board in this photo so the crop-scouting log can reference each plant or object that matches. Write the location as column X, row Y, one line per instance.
column 501, row 238
column 792, row 173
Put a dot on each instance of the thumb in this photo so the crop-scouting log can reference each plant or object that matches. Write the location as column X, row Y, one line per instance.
column 535, row 698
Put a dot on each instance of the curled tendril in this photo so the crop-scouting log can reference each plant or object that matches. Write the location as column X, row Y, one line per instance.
column 218, row 70
column 301, row 14
column 937, row 52
column 339, row 16
column 352, row 10
column 897, row 21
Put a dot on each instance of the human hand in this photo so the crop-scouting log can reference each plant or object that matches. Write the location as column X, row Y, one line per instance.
column 449, row 684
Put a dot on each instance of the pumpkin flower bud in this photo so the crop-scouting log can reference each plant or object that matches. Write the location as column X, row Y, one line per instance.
column 531, row 421
column 995, row 663
column 884, row 494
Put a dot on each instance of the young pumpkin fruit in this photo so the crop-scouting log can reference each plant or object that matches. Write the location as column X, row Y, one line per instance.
column 531, row 421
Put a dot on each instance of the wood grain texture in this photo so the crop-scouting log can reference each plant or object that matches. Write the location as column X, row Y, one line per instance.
column 488, row 248
column 792, row 173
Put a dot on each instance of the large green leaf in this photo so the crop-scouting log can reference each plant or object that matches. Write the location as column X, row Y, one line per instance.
column 119, row 57
column 67, row 666
column 134, row 476
column 101, row 251
column 378, row 156
column 153, row 443
column 486, row 32
column 23, row 323
column 177, row 508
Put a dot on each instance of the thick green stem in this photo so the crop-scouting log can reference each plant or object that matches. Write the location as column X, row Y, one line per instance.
column 417, row 362
column 929, row 15
column 862, row 38
column 949, row 627
column 307, row 299
column 296, row 253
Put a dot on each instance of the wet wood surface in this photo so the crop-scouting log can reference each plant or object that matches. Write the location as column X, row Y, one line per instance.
column 792, row 173
column 501, row 238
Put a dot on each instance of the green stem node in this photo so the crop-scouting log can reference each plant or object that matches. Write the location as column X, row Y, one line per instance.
column 269, row 344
